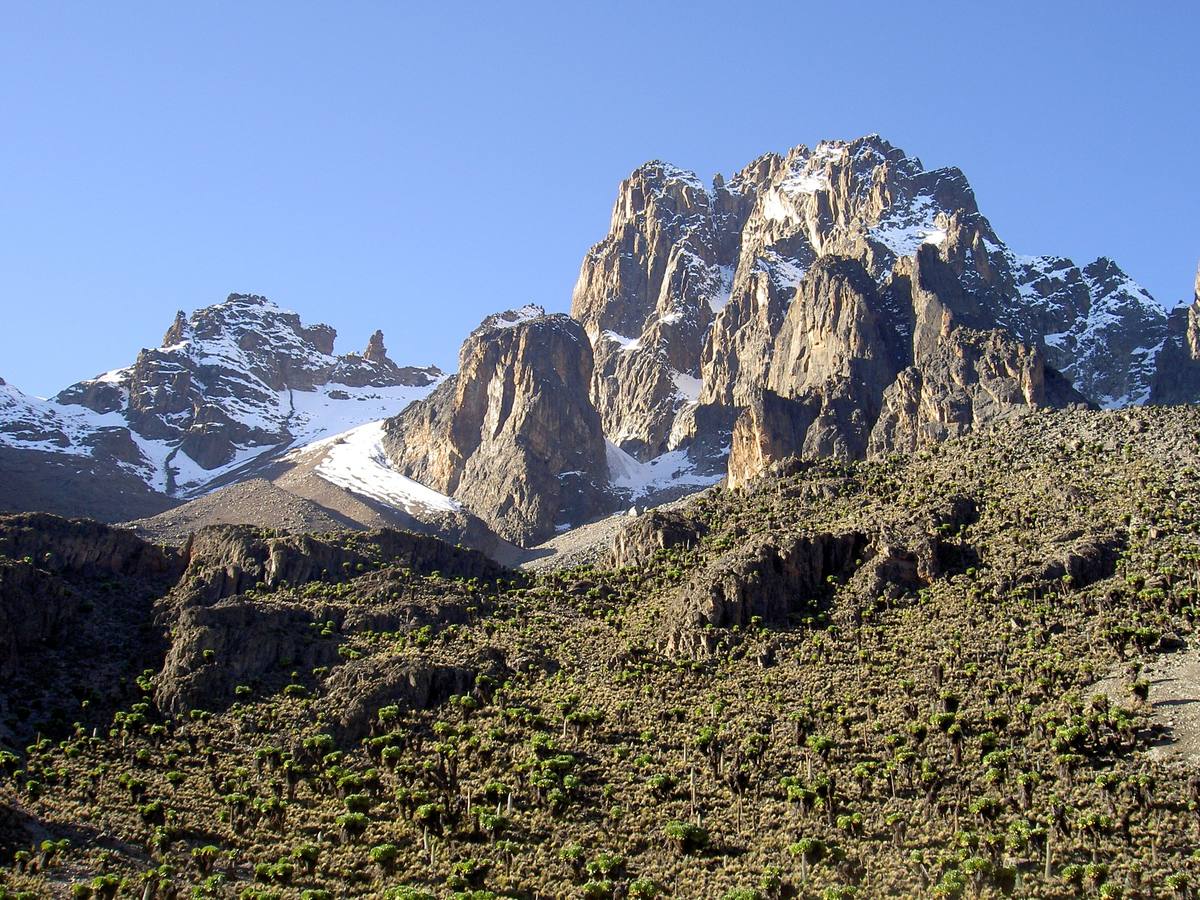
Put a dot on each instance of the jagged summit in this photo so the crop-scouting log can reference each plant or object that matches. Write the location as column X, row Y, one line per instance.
column 513, row 317
column 229, row 382
column 685, row 298
column 842, row 300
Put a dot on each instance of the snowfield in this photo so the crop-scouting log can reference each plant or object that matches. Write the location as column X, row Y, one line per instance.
column 356, row 461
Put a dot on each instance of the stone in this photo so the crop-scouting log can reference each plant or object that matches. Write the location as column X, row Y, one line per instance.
column 513, row 435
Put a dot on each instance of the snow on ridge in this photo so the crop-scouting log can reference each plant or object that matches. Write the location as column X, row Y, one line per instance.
column 688, row 177
column 903, row 231
column 626, row 344
column 308, row 416
column 356, row 461
column 687, row 386
column 786, row 273
column 1124, row 290
column 513, row 317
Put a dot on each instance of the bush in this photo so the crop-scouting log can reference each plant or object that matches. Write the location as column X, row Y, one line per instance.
column 687, row 837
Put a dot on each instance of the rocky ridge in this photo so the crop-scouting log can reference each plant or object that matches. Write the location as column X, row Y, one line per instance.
column 230, row 383
column 811, row 276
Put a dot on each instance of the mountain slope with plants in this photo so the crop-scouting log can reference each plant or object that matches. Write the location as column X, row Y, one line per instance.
column 917, row 675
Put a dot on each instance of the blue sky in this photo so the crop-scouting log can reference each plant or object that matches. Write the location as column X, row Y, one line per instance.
column 413, row 167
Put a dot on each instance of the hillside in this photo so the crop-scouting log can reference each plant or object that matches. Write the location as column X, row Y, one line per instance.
column 918, row 675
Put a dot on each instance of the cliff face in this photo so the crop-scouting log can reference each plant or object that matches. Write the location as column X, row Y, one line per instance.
column 1177, row 377
column 647, row 295
column 513, row 435
column 867, row 295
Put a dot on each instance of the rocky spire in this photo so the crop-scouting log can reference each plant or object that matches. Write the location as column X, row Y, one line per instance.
column 178, row 330
column 376, row 351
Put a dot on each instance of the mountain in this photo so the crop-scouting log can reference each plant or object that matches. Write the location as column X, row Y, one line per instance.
column 230, row 387
column 840, row 301
column 869, row 291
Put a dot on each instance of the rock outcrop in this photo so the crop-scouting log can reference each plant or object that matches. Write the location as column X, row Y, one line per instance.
column 374, row 368
column 75, row 604
column 83, row 547
column 764, row 582
column 513, row 436
column 843, row 300
column 226, row 560
column 1177, row 376
column 360, row 689
column 638, row 541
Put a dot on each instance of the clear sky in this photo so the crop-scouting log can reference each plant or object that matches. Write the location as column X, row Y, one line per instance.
column 415, row 166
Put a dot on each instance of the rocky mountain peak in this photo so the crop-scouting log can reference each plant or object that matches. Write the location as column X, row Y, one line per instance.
column 512, row 318
column 685, row 299
column 227, row 384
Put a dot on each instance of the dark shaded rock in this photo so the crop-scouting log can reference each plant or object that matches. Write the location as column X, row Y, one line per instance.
column 1082, row 562
column 36, row 611
column 359, row 689
column 84, row 547
column 637, row 542
column 237, row 641
column 224, row 560
column 76, row 601
column 1177, row 376
column 768, row 581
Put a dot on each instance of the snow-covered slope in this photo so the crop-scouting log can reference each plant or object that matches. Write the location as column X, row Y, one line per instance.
column 674, row 471
column 356, row 461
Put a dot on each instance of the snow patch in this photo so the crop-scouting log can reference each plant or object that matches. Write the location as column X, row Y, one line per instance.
column 626, row 344
column 357, row 462
column 719, row 300
column 687, row 386
column 903, row 231
column 641, row 479
column 785, row 272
